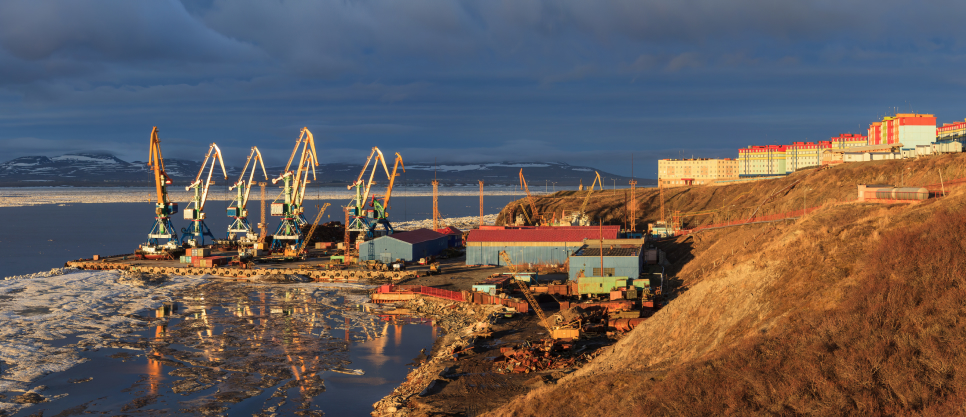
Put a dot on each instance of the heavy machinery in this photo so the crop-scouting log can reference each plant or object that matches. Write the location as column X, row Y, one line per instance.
column 240, row 229
column 366, row 220
column 580, row 218
column 195, row 234
column 315, row 224
column 163, row 209
column 293, row 189
column 535, row 217
column 506, row 259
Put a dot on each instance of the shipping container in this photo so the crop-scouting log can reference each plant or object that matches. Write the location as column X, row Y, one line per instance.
column 599, row 285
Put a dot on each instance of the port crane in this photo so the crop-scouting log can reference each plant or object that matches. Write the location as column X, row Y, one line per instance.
column 163, row 209
column 361, row 219
column 195, row 234
column 293, row 190
column 534, row 215
column 580, row 218
column 238, row 209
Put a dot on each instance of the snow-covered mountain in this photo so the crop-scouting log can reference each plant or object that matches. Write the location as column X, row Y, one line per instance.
column 101, row 169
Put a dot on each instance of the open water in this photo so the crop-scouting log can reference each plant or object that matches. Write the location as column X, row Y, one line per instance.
column 38, row 238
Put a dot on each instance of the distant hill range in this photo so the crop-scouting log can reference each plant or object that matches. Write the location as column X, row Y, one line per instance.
column 92, row 169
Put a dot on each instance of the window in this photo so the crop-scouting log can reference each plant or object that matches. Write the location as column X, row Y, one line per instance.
column 608, row 272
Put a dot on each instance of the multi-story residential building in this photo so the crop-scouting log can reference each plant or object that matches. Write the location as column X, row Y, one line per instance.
column 909, row 129
column 848, row 140
column 699, row 171
column 758, row 161
column 951, row 132
column 801, row 155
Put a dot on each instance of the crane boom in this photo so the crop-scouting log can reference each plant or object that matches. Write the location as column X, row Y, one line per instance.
column 315, row 224
column 392, row 179
column 599, row 183
column 536, row 307
column 156, row 163
column 215, row 155
column 533, row 206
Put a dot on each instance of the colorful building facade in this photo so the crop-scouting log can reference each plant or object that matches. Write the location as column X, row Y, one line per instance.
column 800, row 155
column 909, row 129
column 848, row 140
column 950, row 132
column 700, row 171
column 762, row 161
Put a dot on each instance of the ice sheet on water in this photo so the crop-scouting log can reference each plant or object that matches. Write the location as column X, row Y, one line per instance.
column 89, row 304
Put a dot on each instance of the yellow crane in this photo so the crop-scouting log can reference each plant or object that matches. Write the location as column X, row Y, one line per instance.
column 163, row 209
column 534, row 215
column 198, row 229
column 240, row 210
column 293, row 189
column 315, row 224
column 509, row 263
column 582, row 213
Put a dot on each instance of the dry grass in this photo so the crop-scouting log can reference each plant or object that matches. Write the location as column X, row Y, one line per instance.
column 857, row 309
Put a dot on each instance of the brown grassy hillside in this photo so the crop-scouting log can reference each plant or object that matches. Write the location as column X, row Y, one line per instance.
column 855, row 309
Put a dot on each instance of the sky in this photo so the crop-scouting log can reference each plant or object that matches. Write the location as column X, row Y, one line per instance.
column 582, row 82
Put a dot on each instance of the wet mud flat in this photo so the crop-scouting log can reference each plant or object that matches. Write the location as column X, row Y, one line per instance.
column 230, row 348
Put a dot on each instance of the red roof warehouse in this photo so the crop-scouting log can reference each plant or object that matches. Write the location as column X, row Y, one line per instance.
column 531, row 245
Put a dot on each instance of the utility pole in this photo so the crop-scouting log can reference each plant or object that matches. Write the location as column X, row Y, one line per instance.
column 481, row 204
column 633, row 182
column 435, row 205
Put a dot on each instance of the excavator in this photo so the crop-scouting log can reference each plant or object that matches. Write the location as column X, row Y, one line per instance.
column 364, row 220
column 195, row 234
column 293, row 189
column 163, row 209
column 535, row 217
column 240, row 229
column 580, row 218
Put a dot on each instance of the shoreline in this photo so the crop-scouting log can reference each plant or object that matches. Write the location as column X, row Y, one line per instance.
column 22, row 197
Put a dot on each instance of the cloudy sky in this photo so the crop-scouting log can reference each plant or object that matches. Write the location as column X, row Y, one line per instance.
column 577, row 81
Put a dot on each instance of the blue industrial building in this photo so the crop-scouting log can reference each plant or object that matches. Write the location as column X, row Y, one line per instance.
column 409, row 246
column 531, row 245
column 621, row 258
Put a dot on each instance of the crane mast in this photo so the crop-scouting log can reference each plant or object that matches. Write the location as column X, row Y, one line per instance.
column 195, row 234
column 534, row 215
column 163, row 209
column 293, row 190
column 238, row 209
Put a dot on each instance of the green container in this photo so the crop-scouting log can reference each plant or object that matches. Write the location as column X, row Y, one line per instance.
column 599, row 285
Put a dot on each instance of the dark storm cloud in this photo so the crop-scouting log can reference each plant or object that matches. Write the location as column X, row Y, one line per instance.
column 578, row 81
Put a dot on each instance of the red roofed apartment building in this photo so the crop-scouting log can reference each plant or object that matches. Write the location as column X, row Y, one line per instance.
column 909, row 129
column 531, row 245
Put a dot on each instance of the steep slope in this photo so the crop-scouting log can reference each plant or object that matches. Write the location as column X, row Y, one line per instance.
column 856, row 308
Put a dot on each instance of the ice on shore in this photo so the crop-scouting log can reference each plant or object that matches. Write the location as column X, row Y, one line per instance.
column 40, row 308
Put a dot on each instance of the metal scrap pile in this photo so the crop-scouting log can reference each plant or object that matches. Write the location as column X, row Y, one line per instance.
column 533, row 358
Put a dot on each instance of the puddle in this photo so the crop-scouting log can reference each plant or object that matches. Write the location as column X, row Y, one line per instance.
column 31, row 311
column 242, row 349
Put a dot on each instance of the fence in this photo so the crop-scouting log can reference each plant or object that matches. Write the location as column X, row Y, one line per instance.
column 758, row 219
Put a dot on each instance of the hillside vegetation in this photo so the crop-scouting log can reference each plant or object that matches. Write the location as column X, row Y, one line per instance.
column 854, row 309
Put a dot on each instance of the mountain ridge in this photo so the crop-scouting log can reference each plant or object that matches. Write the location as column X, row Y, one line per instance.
column 98, row 168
